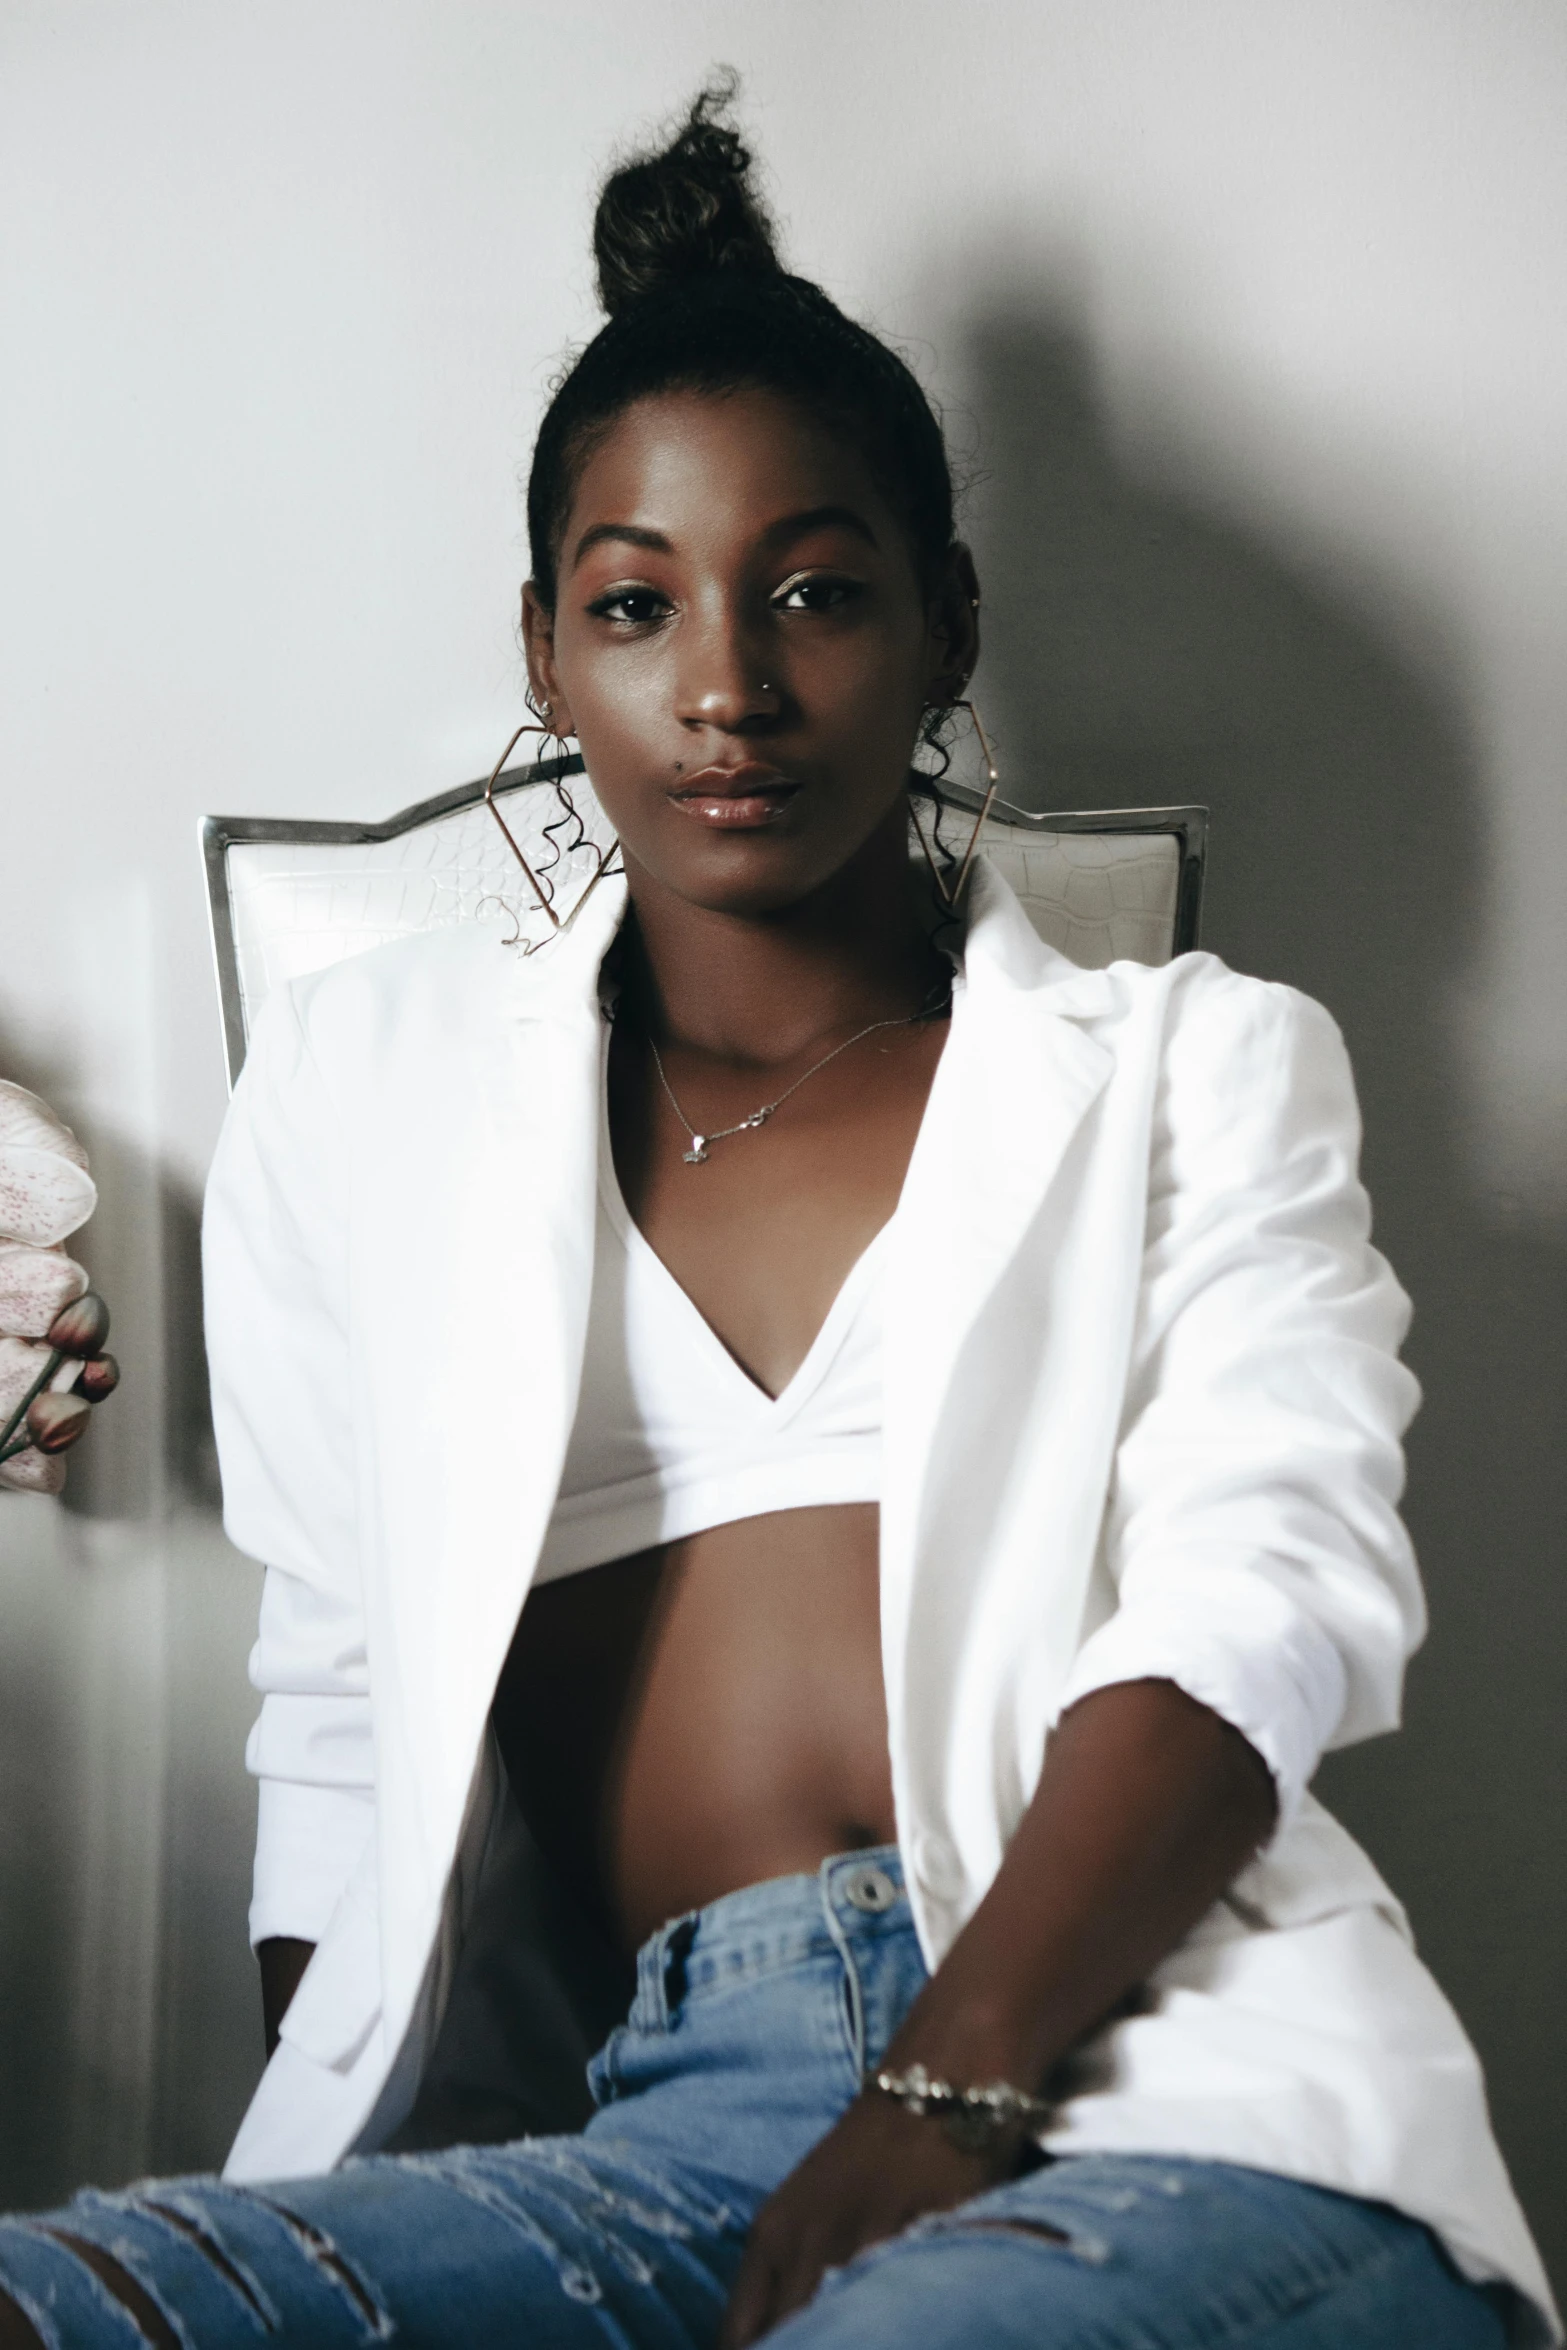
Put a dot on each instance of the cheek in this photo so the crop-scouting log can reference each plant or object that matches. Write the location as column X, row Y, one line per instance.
column 873, row 688
column 609, row 689
column 869, row 673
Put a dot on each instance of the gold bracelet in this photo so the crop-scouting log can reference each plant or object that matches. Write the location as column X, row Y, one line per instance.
column 973, row 2118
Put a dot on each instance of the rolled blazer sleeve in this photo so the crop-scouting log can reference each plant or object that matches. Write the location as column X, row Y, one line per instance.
column 1252, row 1535
column 275, row 1263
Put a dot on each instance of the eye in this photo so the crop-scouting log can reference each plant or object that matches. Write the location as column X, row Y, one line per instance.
column 630, row 607
column 817, row 591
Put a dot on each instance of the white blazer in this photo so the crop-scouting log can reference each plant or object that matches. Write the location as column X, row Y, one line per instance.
column 1142, row 1412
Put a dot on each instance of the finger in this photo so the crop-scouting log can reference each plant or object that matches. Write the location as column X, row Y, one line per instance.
column 750, row 2304
column 800, row 2280
column 54, row 1422
column 799, row 2285
column 99, row 1378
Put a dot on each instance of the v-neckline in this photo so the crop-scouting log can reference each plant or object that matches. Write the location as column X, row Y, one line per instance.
column 835, row 1325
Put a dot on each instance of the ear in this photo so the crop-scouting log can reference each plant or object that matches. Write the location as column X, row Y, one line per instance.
column 538, row 644
column 953, row 626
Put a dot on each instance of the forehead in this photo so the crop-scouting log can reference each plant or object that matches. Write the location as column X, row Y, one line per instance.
column 706, row 467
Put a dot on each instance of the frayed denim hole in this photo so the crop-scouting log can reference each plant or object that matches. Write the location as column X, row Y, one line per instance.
column 572, row 2196
column 675, row 2223
column 1106, row 2198
column 655, row 2218
column 117, row 2284
column 1091, row 2249
column 30, row 2313
column 338, row 2270
column 191, row 2222
column 471, row 2171
column 943, row 2225
column 706, row 2218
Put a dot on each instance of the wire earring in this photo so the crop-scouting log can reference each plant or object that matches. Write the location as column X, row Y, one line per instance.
column 950, row 892
column 538, row 881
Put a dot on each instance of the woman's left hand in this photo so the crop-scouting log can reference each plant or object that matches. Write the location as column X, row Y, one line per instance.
column 877, row 2170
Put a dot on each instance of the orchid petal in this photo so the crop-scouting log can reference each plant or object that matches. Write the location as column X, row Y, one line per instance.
column 20, row 1365
column 26, row 1123
column 33, row 1471
column 44, row 1195
column 34, row 1284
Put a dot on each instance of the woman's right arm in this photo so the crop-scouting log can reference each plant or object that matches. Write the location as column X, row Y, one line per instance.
column 275, row 1264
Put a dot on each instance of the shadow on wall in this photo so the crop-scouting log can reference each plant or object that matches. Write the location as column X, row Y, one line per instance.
column 1140, row 651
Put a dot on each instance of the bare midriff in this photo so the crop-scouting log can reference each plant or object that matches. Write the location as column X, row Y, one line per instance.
column 704, row 1715
column 712, row 1713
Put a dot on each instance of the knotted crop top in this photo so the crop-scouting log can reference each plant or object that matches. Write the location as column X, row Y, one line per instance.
column 672, row 1436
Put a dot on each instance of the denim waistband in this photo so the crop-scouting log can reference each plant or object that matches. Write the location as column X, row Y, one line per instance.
column 854, row 1897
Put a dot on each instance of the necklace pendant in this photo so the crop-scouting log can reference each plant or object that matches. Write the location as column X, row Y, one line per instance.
column 696, row 1156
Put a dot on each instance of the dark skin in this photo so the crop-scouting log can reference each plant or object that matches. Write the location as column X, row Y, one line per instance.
column 744, row 645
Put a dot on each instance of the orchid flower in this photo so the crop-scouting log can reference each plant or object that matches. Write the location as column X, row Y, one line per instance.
column 51, row 1328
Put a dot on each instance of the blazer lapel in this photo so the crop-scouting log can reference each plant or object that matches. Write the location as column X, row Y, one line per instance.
column 517, row 1320
column 1011, row 1091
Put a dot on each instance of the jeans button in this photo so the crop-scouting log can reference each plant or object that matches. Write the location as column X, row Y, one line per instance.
column 869, row 1889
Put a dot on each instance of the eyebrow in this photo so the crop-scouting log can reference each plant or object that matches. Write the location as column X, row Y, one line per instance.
column 630, row 534
column 789, row 526
column 795, row 526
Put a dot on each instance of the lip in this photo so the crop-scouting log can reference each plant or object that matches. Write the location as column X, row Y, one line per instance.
column 735, row 799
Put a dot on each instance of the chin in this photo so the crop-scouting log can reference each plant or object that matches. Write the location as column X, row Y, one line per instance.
column 755, row 877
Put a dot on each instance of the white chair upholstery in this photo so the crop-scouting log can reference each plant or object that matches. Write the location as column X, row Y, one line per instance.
column 287, row 898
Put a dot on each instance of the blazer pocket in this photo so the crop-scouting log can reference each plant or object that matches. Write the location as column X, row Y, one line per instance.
column 338, row 2003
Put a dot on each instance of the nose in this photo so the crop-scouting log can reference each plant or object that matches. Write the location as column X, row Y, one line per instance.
column 724, row 679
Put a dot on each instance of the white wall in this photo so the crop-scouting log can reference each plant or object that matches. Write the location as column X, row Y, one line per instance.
column 1250, row 315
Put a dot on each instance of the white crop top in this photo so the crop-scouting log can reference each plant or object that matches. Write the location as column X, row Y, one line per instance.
column 672, row 1436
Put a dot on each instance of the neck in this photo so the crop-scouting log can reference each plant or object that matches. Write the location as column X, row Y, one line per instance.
column 761, row 989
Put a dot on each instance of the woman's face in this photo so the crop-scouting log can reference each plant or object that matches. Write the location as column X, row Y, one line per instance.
column 742, row 646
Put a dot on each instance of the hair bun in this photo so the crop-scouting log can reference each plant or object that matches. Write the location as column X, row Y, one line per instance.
column 683, row 213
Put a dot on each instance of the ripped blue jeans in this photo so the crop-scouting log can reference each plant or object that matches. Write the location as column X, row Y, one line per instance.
column 753, row 2024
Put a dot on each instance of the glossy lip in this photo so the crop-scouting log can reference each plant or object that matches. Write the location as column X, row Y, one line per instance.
column 735, row 799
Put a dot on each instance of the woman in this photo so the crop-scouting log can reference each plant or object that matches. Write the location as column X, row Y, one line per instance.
column 898, row 1435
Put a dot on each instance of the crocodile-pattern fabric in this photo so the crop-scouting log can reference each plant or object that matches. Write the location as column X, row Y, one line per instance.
column 299, row 906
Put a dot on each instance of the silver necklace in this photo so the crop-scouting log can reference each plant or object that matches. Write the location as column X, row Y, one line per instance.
column 698, row 1154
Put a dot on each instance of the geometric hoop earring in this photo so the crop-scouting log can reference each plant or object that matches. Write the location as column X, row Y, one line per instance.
column 950, row 892
column 541, row 889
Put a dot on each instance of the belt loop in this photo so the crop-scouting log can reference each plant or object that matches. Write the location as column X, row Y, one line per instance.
column 649, row 2013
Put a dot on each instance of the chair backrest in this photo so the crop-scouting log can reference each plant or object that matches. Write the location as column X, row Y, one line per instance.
column 291, row 897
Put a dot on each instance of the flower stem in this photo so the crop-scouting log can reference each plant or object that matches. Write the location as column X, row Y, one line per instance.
column 56, row 1358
